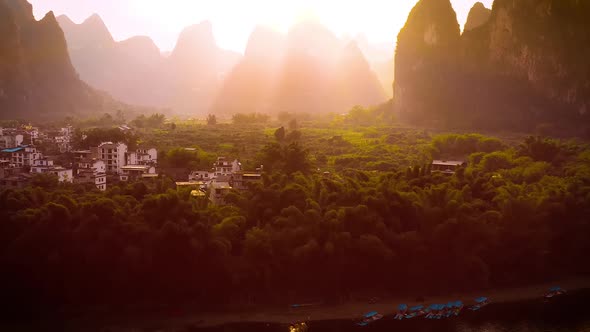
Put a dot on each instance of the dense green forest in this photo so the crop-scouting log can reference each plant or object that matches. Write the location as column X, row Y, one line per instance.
column 379, row 222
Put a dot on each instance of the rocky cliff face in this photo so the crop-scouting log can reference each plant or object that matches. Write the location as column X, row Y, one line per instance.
column 426, row 58
column 36, row 75
column 478, row 16
column 524, row 67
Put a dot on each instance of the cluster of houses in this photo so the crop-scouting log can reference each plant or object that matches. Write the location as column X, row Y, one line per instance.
column 107, row 162
column 114, row 161
column 220, row 180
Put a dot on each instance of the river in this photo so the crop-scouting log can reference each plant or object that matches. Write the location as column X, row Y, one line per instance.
column 569, row 313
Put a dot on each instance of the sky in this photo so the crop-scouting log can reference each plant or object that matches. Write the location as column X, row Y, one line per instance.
column 234, row 20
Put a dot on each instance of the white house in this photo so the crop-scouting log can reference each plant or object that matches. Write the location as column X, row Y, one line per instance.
column 142, row 156
column 134, row 172
column 201, row 176
column 114, row 156
column 46, row 166
column 90, row 176
column 225, row 168
column 446, row 166
column 92, row 171
column 95, row 165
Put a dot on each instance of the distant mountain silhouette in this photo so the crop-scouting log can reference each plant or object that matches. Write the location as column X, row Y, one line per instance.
column 128, row 70
column 36, row 75
column 308, row 70
column 91, row 33
column 251, row 84
column 381, row 59
column 526, row 66
column 355, row 82
column 478, row 16
column 136, row 72
column 197, row 67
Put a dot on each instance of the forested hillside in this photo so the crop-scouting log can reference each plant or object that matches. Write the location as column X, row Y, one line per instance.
column 516, row 214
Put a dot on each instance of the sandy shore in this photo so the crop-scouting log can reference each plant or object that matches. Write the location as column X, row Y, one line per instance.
column 354, row 310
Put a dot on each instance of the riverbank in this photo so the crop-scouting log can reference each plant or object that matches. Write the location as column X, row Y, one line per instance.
column 350, row 310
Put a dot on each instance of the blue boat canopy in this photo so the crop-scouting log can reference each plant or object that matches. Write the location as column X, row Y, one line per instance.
column 458, row 304
column 12, row 150
column 371, row 314
column 417, row 308
column 402, row 307
column 555, row 289
column 481, row 299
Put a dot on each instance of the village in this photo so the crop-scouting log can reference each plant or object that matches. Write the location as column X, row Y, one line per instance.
column 106, row 164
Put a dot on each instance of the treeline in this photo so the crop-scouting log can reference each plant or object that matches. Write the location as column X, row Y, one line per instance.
column 512, row 216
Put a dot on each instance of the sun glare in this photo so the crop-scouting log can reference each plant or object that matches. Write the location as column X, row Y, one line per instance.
column 234, row 20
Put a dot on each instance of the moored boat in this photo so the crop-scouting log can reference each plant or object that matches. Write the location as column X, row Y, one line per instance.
column 554, row 291
column 369, row 318
column 415, row 311
column 402, row 310
column 480, row 302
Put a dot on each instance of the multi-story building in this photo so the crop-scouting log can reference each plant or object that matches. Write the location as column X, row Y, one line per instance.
column 10, row 139
column 46, row 166
column 21, row 156
column 446, row 166
column 114, row 156
column 142, row 156
column 90, row 176
column 225, row 168
column 96, row 165
column 91, row 171
column 63, row 139
column 201, row 176
column 243, row 180
column 135, row 172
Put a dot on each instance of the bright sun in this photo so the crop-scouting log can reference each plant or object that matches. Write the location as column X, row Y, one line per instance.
column 233, row 20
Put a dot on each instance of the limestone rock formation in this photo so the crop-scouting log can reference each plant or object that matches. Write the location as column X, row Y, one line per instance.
column 426, row 59
column 478, row 16
column 36, row 75
column 526, row 66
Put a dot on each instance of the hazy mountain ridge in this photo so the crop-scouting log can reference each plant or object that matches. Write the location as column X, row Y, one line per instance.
column 381, row 59
column 522, row 68
column 36, row 74
column 307, row 70
column 135, row 71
